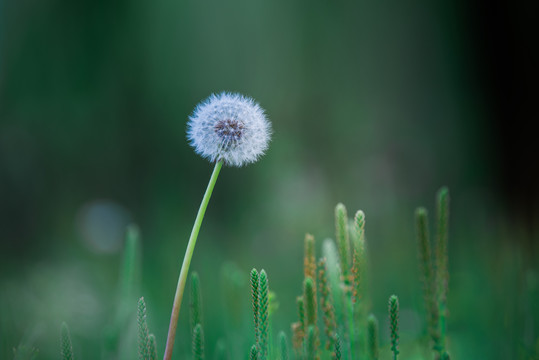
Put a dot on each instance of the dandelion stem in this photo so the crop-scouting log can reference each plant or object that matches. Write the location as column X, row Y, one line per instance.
column 187, row 261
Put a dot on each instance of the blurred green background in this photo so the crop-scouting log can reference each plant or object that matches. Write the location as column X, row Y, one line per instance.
column 375, row 104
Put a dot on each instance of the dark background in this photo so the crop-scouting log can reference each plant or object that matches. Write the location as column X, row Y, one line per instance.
column 507, row 70
column 375, row 104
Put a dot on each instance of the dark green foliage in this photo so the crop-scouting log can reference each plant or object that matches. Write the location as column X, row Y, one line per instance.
column 264, row 314
column 300, row 329
column 427, row 274
column 310, row 343
column 255, row 296
column 442, row 207
column 309, row 296
column 144, row 351
column 283, row 346
column 337, row 350
column 424, row 254
column 341, row 334
column 198, row 342
column 372, row 337
column 359, row 223
column 309, row 261
column 435, row 274
column 326, row 302
column 442, row 212
column 351, row 334
column 359, row 258
column 342, row 296
column 195, row 301
column 394, row 324
column 300, row 301
column 66, row 347
column 253, row 354
column 358, row 307
column 342, row 238
column 152, row 345
column 334, row 276
column 442, row 272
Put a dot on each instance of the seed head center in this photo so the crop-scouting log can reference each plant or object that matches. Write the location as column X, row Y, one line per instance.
column 231, row 131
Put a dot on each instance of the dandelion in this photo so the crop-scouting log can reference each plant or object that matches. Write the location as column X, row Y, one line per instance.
column 227, row 129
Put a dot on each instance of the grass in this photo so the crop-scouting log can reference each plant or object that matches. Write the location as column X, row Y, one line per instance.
column 335, row 315
column 334, row 286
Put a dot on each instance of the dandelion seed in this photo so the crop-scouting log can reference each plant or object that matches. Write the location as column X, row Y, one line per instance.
column 229, row 127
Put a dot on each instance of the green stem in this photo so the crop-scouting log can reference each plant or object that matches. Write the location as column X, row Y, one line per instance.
column 442, row 329
column 187, row 261
column 351, row 327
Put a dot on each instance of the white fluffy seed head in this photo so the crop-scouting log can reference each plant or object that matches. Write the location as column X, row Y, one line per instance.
column 229, row 127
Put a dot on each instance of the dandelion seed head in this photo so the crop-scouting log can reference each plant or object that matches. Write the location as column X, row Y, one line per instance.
column 229, row 127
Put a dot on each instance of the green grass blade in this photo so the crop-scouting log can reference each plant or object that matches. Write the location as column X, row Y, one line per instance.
column 198, row 342
column 253, row 354
column 326, row 302
column 342, row 238
column 442, row 272
column 152, row 347
column 143, row 333
column 195, row 301
column 394, row 324
column 255, row 282
column 283, row 346
column 66, row 346
column 372, row 337
column 264, row 314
